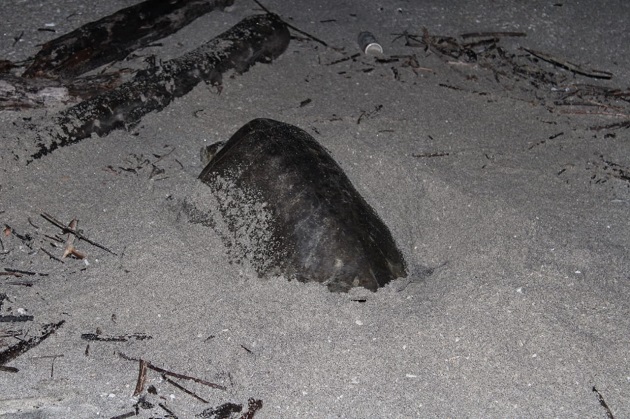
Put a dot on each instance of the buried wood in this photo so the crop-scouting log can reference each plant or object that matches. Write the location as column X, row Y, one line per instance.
column 113, row 37
column 259, row 38
column 293, row 212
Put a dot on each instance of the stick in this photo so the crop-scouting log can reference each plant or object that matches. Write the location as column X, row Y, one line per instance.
column 142, row 377
column 597, row 74
column 113, row 37
column 174, row 374
column 184, row 389
column 259, row 38
column 70, row 249
column 69, row 230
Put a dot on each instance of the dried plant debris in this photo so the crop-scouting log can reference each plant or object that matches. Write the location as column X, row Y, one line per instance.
column 232, row 410
column 31, row 253
column 24, row 345
column 604, row 169
column 525, row 73
column 152, row 166
column 98, row 337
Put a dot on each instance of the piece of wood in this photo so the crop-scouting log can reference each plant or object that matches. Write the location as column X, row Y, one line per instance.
column 113, row 37
column 258, row 38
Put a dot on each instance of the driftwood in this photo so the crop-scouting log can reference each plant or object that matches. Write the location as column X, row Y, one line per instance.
column 258, row 38
column 115, row 36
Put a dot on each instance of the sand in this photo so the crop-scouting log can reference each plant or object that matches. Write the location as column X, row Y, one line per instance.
column 517, row 203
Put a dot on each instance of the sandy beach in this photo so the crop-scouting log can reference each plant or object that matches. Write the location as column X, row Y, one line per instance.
column 516, row 193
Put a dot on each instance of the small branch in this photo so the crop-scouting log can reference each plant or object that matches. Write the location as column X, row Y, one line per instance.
column 597, row 74
column 185, row 390
column 142, row 377
column 68, row 230
column 174, row 374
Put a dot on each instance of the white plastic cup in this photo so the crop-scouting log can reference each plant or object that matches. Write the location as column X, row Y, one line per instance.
column 369, row 45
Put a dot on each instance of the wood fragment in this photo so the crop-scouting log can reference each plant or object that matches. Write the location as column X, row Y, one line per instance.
column 113, row 37
column 253, row 405
column 167, row 410
column 70, row 249
column 50, row 255
column 174, row 374
column 125, row 415
column 25, row 345
column 495, row 34
column 182, row 388
column 222, row 411
column 259, row 38
column 435, row 154
column 142, row 377
column 16, row 319
column 597, row 74
column 293, row 27
column 97, row 337
column 603, row 403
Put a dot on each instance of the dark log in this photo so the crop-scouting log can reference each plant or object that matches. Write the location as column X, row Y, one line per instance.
column 115, row 36
column 258, row 38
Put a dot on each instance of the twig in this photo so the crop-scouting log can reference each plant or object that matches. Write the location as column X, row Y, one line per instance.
column 50, row 255
column 174, row 374
column 70, row 249
column 25, row 345
column 291, row 26
column 167, row 410
column 80, row 236
column 436, row 154
column 603, row 403
column 182, row 388
column 597, row 74
column 142, row 377
column 253, row 406
column 492, row 34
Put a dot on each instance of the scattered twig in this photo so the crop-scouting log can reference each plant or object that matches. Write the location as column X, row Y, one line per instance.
column 174, row 374
column 492, row 34
column 21, row 272
column 623, row 124
column 50, row 255
column 68, row 230
column 70, row 249
column 253, row 405
column 291, row 26
column 167, row 410
column 436, row 154
column 21, row 347
column 125, row 415
column 603, row 403
column 15, row 319
column 182, row 388
column 97, row 337
column 52, row 364
column 142, row 377
column 598, row 74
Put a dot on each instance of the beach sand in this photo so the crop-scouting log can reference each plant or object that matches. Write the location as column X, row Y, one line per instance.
column 519, row 205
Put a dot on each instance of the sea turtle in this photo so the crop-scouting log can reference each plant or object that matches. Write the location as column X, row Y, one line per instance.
column 294, row 212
